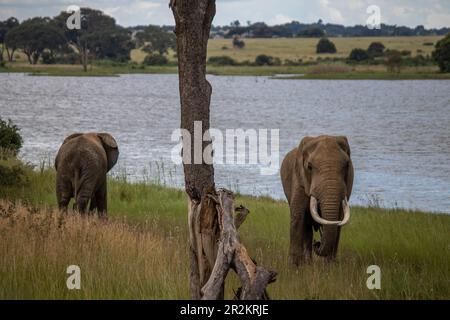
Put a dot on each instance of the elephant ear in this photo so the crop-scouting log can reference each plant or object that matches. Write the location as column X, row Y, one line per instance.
column 343, row 143
column 300, row 165
column 111, row 148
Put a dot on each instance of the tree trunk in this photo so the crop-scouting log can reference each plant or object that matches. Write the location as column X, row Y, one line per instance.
column 84, row 58
column 193, row 22
column 29, row 57
column 83, row 52
column 10, row 54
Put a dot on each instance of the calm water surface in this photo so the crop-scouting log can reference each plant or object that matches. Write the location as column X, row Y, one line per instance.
column 399, row 131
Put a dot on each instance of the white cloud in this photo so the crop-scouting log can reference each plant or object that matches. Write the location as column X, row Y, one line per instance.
column 280, row 19
column 331, row 14
column 402, row 11
column 437, row 20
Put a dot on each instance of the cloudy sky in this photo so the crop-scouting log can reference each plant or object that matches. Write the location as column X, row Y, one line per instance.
column 430, row 13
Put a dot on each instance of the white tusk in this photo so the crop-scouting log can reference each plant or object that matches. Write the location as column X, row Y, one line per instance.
column 346, row 208
column 315, row 214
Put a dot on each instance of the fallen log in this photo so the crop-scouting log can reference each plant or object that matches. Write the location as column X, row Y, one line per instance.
column 232, row 254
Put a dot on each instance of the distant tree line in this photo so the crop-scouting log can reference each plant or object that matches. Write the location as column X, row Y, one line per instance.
column 100, row 37
column 319, row 29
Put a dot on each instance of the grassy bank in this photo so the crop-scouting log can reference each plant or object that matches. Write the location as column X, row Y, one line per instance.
column 335, row 71
column 141, row 252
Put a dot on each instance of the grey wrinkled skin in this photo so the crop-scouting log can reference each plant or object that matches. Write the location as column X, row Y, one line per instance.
column 81, row 166
column 320, row 167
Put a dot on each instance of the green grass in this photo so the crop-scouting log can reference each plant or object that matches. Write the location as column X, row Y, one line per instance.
column 94, row 71
column 142, row 251
column 305, row 48
column 371, row 76
column 306, row 72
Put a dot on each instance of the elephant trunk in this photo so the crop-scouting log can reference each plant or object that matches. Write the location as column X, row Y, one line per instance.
column 330, row 210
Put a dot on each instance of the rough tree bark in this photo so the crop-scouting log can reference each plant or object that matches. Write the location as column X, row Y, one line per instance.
column 193, row 20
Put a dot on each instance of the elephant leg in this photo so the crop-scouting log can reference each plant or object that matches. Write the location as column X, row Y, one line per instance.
column 333, row 255
column 295, row 238
column 83, row 197
column 307, row 238
column 85, row 192
column 93, row 205
column 82, row 203
column 101, row 200
column 297, row 234
column 64, row 193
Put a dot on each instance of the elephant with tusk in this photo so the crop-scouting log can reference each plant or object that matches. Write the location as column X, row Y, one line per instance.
column 317, row 179
column 81, row 166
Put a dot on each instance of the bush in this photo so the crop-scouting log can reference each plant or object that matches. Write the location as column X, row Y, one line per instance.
column 110, row 63
column 393, row 61
column 238, row 44
column 358, row 55
column 48, row 58
column 2, row 64
column 155, row 59
column 429, row 44
column 12, row 175
column 10, row 138
column 441, row 54
column 376, row 49
column 293, row 63
column 418, row 61
column 405, row 53
column 222, row 61
column 68, row 58
column 325, row 46
column 311, row 33
column 265, row 60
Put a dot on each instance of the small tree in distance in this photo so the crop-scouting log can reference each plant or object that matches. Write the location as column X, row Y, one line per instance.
column 442, row 54
column 393, row 61
column 238, row 43
column 376, row 49
column 325, row 46
column 358, row 55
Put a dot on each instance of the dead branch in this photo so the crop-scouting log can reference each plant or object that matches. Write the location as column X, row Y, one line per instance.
column 231, row 254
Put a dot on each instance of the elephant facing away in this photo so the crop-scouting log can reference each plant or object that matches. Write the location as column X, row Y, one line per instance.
column 317, row 179
column 81, row 166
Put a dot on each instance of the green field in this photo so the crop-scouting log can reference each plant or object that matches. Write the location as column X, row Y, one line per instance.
column 142, row 251
column 283, row 48
column 305, row 48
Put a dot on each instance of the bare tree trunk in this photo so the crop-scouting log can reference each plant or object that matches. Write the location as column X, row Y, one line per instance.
column 83, row 52
column 10, row 53
column 233, row 255
column 28, row 54
column 193, row 23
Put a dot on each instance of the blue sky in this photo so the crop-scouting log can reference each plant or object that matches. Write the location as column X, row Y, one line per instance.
column 431, row 13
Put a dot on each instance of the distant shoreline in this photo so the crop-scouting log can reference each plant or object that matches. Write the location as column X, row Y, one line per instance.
column 276, row 72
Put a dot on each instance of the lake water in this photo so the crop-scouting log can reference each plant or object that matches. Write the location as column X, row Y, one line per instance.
column 399, row 131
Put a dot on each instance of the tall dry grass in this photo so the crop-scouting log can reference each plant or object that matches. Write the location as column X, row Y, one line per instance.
column 141, row 252
column 117, row 260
